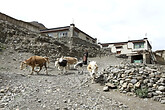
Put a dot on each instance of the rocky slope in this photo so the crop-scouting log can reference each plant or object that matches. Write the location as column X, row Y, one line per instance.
column 23, row 40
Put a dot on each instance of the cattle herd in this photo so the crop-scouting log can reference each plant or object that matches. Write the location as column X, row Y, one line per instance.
column 62, row 64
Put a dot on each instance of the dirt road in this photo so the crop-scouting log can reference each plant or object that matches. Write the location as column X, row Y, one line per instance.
column 71, row 91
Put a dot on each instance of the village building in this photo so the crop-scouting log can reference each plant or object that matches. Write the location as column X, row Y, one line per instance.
column 137, row 51
column 69, row 32
column 75, row 39
column 160, row 56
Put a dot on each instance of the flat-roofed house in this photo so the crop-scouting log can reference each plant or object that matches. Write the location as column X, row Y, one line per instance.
column 136, row 50
column 68, row 32
column 75, row 39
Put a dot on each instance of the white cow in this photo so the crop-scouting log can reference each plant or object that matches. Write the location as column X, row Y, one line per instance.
column 93, row 70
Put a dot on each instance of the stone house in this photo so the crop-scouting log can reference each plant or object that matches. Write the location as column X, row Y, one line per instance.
column 137, row 51
column 69, row 32
column 74, row 38
column 160, row 56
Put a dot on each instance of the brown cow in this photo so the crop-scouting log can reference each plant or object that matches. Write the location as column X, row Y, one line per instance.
column 70, row 61
column 35, row 61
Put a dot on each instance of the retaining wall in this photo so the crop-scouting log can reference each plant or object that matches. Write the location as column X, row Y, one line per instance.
column 19, row 22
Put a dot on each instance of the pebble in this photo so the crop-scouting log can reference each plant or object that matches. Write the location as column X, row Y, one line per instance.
column 106, row 88
column 162, row 101
column 161, row 88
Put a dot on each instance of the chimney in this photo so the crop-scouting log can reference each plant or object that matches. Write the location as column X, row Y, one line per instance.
column 72, row 25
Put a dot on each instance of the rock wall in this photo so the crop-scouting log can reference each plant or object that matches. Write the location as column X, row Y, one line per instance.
column 80, row 46
column 19, row 22
column 77, row 46
column 23, row 40
column 136, row 79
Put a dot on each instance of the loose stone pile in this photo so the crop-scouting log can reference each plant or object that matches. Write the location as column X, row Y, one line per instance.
column 136, row 79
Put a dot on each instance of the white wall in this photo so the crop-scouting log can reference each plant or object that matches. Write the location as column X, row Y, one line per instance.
column 127, row 48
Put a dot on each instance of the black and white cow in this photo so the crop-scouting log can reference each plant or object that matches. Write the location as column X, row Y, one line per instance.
column 61, row 64
column 79, row 66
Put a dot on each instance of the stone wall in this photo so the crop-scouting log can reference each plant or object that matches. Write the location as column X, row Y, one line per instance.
column 145, row 81
column 19, row 22
column 78, row 46
column 160, row 59
column 23, row 40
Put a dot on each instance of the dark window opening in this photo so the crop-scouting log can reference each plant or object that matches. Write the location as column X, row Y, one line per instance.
column 118, row 52
column 137, row 59
column 119, row 47
column 62, row 34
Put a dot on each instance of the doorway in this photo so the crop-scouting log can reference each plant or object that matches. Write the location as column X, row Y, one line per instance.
column 137, row 59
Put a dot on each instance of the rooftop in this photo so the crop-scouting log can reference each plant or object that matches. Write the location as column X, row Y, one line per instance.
column 63, row 29
column 122, row 43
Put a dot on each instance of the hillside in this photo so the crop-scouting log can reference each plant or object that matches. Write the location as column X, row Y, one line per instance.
column 72, row 90
column 40, row 25
column 24, row 40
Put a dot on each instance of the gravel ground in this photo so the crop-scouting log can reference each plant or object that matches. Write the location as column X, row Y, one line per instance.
column 70, row 91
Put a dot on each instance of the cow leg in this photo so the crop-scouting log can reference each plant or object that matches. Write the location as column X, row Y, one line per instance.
column 68, row 66
column 46, row 69
column 39, row 70
column 91, row 77
column 92, row 81
column 82, row 70
column 32, row 70
column 64, row 70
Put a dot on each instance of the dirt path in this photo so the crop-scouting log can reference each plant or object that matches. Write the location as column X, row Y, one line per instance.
column 55, row 91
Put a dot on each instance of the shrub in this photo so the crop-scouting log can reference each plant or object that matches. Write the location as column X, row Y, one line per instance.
column 142, row 92
column 2, row 47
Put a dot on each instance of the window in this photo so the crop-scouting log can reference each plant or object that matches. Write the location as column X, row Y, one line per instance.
column 118, row 52
column 50, row 35
column 62, row 34
column 138, row 45
column 119, row 47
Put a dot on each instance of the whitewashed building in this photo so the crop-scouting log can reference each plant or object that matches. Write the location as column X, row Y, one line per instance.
column 136, row 50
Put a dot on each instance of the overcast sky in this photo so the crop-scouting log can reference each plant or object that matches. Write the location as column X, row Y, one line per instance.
column 107, row 20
